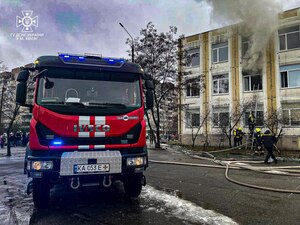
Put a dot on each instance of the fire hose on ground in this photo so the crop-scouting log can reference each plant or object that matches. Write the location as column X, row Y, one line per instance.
column 240, row 165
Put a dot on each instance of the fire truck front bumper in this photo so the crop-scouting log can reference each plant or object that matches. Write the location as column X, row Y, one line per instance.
column 83, row 163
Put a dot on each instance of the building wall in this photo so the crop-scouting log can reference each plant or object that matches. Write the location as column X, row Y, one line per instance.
column 273, row 95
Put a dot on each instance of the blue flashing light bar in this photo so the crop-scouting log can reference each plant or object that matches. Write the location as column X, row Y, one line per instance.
column 90, row 59
column 57, row 142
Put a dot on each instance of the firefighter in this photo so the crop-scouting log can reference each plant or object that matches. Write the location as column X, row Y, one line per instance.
column 251, row 120
column 268, row 141
column 258, row 141
column 238, row 136
column 235, row 137
column 241, row 134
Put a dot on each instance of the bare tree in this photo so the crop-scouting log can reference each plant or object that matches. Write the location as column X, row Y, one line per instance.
column 228, row 122
column 8, row 108
column 195, row 124
column 157, row 54
column 273, row 121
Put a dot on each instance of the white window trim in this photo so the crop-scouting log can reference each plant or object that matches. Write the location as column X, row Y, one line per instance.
column 198, row 82
column 290, row 119
column 218, row 126
column 218, row 80
column 218, row 54
column 188, row 122
column 285, row 40
column 288, row 79
column 196, row 66
column 251, row 75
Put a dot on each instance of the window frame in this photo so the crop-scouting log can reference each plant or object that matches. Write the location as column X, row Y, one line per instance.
column 218, row 125
column 289, row 117
column 247, row 113
column 190, row 88
column 250, row 82
column 287, row 78
column 190, row 114
column 218, row 84
column 285, row 35
column 191, row 55
column 216, row 47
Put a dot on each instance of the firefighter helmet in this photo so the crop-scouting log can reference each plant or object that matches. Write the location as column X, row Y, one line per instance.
column 257, row 129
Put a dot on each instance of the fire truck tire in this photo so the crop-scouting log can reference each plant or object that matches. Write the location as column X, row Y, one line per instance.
column 133, row 186
column 41, row 193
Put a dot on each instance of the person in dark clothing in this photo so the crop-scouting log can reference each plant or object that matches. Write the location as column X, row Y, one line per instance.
column 24, row 139
column 268, row 140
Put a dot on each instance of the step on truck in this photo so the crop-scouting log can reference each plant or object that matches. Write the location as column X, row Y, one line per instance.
column 87, row 125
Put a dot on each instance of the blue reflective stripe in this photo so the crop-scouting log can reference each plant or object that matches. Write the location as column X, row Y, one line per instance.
column 290, row 67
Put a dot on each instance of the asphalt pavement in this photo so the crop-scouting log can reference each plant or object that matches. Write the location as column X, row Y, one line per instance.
column 174, row 194
column 208, row 188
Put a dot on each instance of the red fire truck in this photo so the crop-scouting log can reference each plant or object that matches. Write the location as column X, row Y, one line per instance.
column 88, row 124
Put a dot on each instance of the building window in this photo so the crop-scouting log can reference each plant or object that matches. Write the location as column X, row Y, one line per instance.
column 220, row 119
column 291, row 117
column 192, row 87
column 289, row 38
column 252, row 82
column 220, row 84
column 290, row 79
column 193, row 57
column 220, row 52
column 245, row 46
column 259, row 120
column 193, row 119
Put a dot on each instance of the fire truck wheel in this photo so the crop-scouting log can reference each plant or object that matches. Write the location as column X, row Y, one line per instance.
column 41, row 193
column 133, row 186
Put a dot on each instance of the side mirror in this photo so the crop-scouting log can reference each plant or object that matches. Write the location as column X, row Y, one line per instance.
column 21, row 93
column 23, row 76
column 49, row 84
column 149, row 85
column 149, row 99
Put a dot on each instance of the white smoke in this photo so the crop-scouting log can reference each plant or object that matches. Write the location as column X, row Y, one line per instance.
column 259, row 21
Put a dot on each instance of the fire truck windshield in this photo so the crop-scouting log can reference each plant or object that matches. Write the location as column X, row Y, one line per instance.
column 89, row 89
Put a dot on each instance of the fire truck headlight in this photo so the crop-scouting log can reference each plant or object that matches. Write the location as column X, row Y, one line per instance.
column 42, row 165
column 136, row 161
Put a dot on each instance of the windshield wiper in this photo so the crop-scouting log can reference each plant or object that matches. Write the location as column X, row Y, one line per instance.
column 106, row 104
column 65, row 103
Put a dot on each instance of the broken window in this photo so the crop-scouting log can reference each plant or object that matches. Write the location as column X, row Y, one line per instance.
column 220, row 84
column 252, row 82
column 289, row 38
column 245, row 46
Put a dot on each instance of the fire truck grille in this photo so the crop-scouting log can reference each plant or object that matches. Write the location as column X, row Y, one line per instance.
column 110, row 161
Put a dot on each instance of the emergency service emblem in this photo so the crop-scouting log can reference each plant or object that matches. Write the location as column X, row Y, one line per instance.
column 27, row 21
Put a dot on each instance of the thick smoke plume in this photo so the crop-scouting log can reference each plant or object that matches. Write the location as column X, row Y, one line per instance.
column 259, row 22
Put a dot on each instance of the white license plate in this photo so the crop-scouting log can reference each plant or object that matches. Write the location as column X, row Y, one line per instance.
column 91, row 168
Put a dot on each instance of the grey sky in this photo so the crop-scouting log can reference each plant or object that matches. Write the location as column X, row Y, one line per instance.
column 92, row 26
